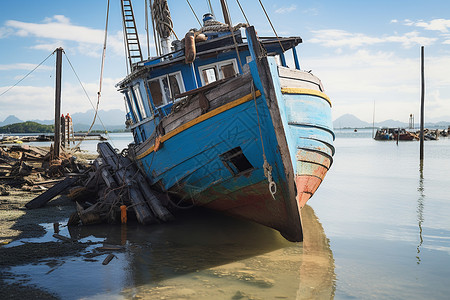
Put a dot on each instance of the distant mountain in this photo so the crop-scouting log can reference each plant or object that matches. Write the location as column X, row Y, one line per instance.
column 113, row 119
column 10, row 120
column 391, row 123
column 350, row 121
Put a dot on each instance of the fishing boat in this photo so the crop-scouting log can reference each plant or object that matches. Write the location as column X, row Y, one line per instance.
column 219, row 120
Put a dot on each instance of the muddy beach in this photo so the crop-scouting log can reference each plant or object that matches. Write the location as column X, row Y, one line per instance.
column 198, row 256
column 18, row 223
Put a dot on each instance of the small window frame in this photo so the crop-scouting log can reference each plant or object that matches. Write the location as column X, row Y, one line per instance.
column 140, row 102
column 179, row 79
column 217, row 67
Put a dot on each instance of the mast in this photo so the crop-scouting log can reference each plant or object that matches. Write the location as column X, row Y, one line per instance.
column 226, row 13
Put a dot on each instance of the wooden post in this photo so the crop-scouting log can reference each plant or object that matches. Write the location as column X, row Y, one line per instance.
column 57, row 140
column 422, row 104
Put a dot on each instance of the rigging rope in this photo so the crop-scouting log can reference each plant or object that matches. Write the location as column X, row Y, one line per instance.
column 89, row 98
column 246, row 20
column 194, row 12
column 11, row 87
column 100, row 83
column 271, row 25
column 163, row 21
column 210, row 7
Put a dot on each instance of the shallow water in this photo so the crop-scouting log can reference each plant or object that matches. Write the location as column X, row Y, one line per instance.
column 382, row 231
column 388, row 218
column 199, row 256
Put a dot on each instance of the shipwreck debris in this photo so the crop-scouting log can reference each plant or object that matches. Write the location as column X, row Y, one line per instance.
column 110, row 189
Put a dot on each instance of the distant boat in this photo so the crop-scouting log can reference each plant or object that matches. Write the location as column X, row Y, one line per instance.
column 385, row 133
column 220, row 121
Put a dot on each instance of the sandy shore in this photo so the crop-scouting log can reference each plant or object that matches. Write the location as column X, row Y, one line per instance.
column 17, row 223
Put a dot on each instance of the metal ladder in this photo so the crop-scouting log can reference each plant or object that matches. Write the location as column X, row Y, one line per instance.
column 130, row 33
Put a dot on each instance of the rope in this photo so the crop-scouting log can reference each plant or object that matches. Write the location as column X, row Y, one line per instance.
column 27, row 74
column 271, row 25
column 214, row 26
column 210, row 7
column 155, row 36
column 242, row 11
column 194, row 12
column 90, row 101
column 266, row 166
column 164, row 24
column 100, row 84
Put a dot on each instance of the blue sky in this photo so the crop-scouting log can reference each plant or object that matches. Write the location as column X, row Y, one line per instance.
column 363, row 51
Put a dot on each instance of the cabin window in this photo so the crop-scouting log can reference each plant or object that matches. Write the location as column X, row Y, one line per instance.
column 227, row 70
column 209, row 75
column 217, row 71
column 140, row 103
column 164, row 89
column 155, row 91
column 235, row 161
column 133, row 106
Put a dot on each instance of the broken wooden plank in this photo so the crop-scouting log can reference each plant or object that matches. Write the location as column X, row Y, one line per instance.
column 157, row 208
column 52, row 192
column 125, row 177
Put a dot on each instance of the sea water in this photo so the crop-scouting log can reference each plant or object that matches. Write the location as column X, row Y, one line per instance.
column 387, row 216
column 377, row 228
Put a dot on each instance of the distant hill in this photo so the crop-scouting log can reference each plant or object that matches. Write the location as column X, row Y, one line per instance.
column 26, row 127
column 351, row 121
column 10, row 120
column 113, row 119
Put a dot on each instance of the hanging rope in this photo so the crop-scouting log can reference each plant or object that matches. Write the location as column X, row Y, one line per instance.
column 95, row 108
column 266, row 166
column 210, row 7
column 246, row 20
column 100, row 84
column 199, row 23
column 271, row 25
column 23, row 78
column 164, row 24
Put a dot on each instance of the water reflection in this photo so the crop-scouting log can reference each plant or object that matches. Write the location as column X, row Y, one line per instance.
column 202, row 255
column 420, row 206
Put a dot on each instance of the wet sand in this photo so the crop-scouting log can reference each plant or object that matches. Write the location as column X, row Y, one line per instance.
column 16, row 223
column 199, row 256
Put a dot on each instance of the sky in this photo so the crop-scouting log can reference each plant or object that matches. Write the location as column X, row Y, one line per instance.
column 367, row 53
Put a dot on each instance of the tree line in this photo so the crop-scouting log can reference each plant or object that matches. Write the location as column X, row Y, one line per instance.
column 27, row 127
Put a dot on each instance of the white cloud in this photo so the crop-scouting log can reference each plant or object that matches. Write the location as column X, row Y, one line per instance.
column 286, row 9
column 441, row 25
column 55, row 31
column 35, row 99
column 354, row 80
column 22, row 66
column 342, row 38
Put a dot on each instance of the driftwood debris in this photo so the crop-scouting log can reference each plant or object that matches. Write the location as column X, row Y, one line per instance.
column 48, row 195
column 32, row 169
column 115, row 182
column 110, row 189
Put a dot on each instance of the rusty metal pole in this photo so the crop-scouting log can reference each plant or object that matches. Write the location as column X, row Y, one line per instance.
column 57, row 140
column 422, row 103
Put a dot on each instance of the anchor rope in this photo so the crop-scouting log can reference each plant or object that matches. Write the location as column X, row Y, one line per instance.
column 266, row 166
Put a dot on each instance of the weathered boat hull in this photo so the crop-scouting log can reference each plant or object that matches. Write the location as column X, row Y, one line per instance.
column 217, row 158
